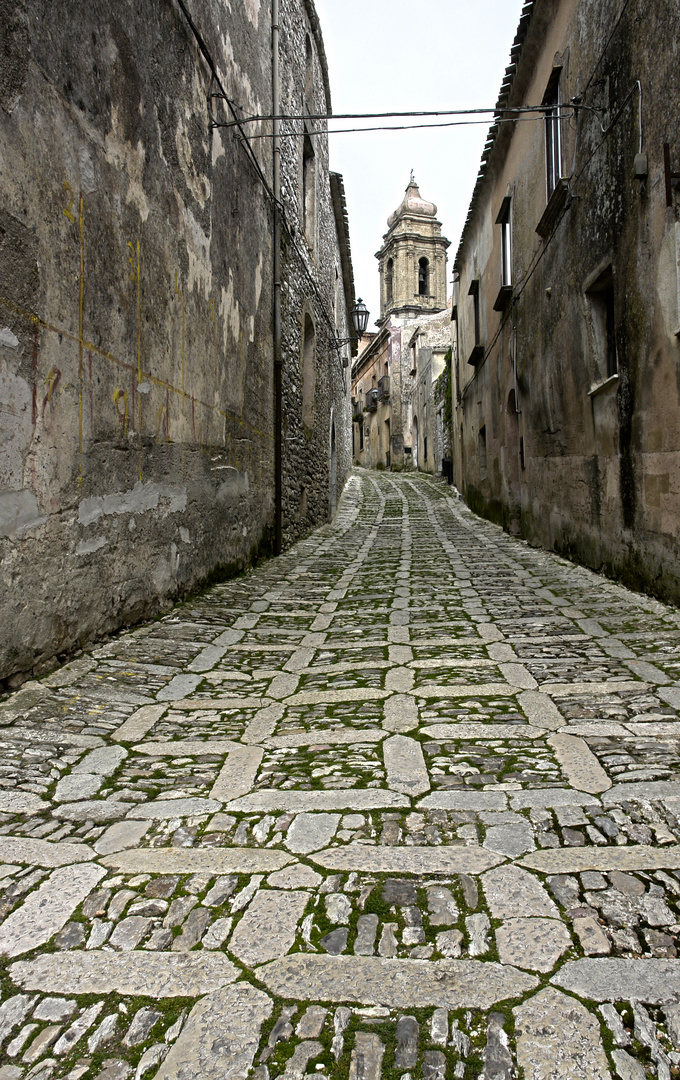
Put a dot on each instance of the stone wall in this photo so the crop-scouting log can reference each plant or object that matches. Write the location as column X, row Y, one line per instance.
column 568, row 416
column 136, row 372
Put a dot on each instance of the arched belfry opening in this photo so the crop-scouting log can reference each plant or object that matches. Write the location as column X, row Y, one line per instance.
column 423, row 277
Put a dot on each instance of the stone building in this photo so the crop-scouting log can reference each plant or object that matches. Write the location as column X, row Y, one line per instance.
column 395, row 413
column 138, row 442
column 567, row 295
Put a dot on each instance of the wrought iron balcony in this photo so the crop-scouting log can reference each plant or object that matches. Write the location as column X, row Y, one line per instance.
column 372, row 400
column 384, row 388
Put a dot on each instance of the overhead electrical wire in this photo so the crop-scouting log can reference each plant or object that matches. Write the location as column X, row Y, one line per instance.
column 383, row 115
column 404, row 127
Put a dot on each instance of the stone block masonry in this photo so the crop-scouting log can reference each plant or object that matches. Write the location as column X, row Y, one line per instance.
column 367, row 846
column 136, row 312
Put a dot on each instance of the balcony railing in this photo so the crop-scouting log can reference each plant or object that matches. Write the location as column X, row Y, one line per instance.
column 372, row 400
column 384, row 388
column 357, row 409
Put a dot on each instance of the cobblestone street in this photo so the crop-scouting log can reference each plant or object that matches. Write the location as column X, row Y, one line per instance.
column 403, row 802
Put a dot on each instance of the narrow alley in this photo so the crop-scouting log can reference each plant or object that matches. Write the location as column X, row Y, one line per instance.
column 400, row 802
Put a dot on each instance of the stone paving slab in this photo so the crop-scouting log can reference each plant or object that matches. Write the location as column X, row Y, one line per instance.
column 24, row 849
column 469, row 690
column 332, row 736
column 580, row 766
column 654, row 789
column 269, row 926
column 558, row 1037
column 97, row 810
column 221, row 1036
column 55, row 737
column 219, row 704
column 46, row 910
column 147, row 974
column 266, row 801
column 400, row 713
column 576, row 860
column 540, row 709
column 213, row 860
column 411, row 860
column 533, row 944
column 483, row 731
column 173, row 808
column 238, row 773
column 139, row 724
column 613, row 979
column 186, row 747
column 550, row 798
column 593, row 689
column 465, row 800
column 398, row 984
column 331, row 697
column 20, row 802
column 405, row 765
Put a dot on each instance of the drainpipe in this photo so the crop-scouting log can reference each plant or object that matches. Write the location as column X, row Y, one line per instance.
column 278, row 358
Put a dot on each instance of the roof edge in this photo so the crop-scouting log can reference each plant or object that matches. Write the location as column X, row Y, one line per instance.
column 342, row 228
column 320, row 48
column 507, row 85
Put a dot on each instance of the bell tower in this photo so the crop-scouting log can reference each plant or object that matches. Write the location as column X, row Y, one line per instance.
column 412, row 259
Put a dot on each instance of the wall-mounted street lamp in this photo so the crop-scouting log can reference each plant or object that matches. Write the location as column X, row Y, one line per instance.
column 359, row 315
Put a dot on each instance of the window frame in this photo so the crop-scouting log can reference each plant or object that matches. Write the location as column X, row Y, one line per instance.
column 601, row 299
column 552, row 103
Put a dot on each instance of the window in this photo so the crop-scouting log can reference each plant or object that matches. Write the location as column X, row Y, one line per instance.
column 482, row 452
column 504, row 221
column 423, row 277
column 553, row 132
column 389, row 281
column 603, row 324
column 474, row 293
column 361, row 436
column 308, row 190
column 477, row 354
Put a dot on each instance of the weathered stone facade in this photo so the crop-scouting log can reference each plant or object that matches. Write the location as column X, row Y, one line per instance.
column 136, row 386
column 396, row 418
column 567, row 392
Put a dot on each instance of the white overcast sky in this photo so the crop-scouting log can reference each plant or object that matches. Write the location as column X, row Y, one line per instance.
column 402, row 55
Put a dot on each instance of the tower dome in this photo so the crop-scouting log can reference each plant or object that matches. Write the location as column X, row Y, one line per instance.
column 412, row 203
